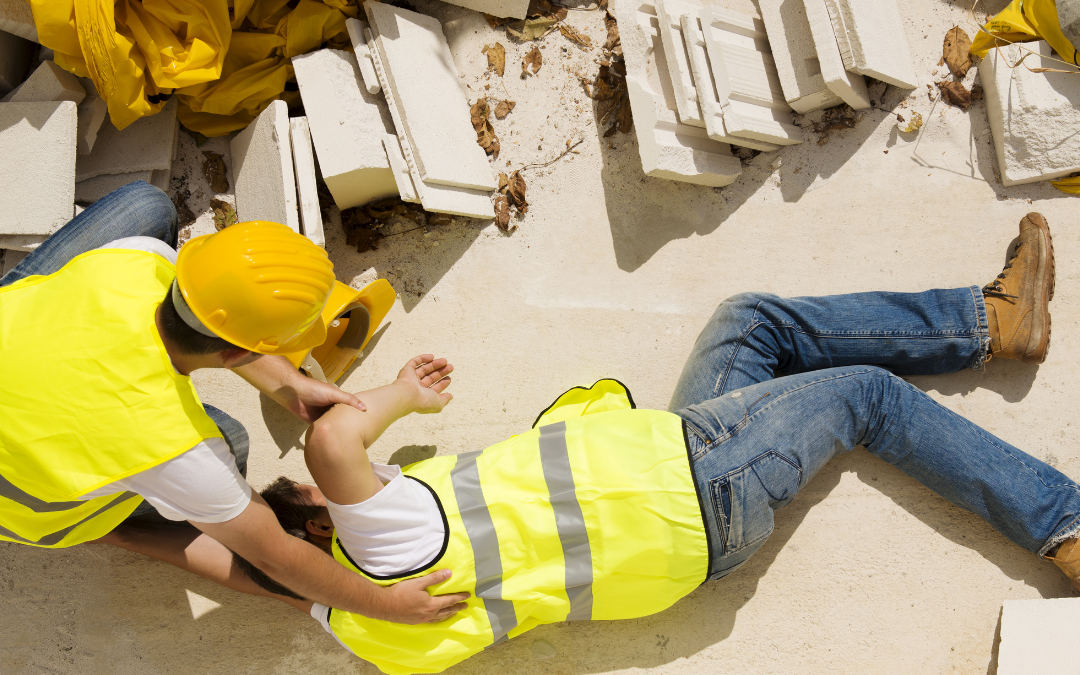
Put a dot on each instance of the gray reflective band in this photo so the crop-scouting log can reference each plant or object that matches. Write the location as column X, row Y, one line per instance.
column 465, row 477
column 10, row 491
column 569, row 520
column 57, row 537
column 185, row 312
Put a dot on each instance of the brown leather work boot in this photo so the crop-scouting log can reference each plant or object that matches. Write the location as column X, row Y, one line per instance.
column 1016, row 301
column 1067, row 558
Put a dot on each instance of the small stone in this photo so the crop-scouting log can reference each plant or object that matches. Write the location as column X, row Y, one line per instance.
column 542, row 649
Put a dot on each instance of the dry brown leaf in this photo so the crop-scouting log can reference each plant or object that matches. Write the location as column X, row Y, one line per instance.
column 214, row 170
column 583, row 41
column 363, row 239
column 502, row 213
column 485, row 133
column 496, row 55
column 530, row 65
column 954, row 93
column 495, row 21
column 503, row 182
column 957, row 52
column 613, row 39
column 546, row 8
column 224, row 213
column 515, row 190
column 504, row 108
column 624, row 119
column 530, row 29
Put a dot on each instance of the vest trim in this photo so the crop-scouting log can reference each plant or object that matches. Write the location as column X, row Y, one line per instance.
column 9, row 490
column 58, row 536
column 569, row 520
column 700, row 499
column 474, row 514
column 545, row 411
column 434, row 561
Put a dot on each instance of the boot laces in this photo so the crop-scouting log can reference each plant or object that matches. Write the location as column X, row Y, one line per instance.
column 994, row 288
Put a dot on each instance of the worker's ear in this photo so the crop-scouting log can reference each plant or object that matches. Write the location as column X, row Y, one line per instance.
column 235, row 357
column 322, row 527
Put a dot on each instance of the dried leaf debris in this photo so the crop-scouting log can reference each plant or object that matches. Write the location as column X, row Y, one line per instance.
column 215, row 172
column 571, row 34
column 511, row 195
column 531, row 63
column 504, row 108
column 224, row 213
column 363, row 224
column 496, row 56
column 609, row 88
column 955, row 93
column 956, row 51
column 485, row 133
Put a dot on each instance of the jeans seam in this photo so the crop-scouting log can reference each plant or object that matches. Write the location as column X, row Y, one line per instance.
column 983, row 324
column 1070, row 531
column 721, row 382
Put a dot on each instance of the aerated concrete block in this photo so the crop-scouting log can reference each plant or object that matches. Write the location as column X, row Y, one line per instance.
column 847, row 85
column 515, row 9
column 37, row 166
column 21, row 242
column 406, row 189
column 1038, row 636
column 347, row 126
column 420, row 72
column 93, row 189
column 668, row 148
column 15, row 56
column 683, row 77
column 795, row 56
column 358, row 32
column 1034, row 116
column 49, row 82
column 1068, row 12
column 870, row 35
column 144, row 145
column 17, row 18
column 92, row 113
column 308, row 192
column 265, row 183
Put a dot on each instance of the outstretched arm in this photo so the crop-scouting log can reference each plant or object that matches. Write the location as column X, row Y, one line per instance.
column 303, row 396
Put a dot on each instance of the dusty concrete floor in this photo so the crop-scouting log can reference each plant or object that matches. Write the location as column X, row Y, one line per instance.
column 613, row 274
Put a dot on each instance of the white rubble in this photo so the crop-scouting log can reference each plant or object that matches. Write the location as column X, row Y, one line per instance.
column 1038, row 636
column 307, row 191
column 48, row 82
column 421, row 75
column 668, row 148
column 37, row 166
column 1034, row 117
column 515, row 9
column 15, row 56
column 21, row 242
column 870, row 35
column 93, row 189
column 92, row 113
column 347, row 126
column 406, row 189
column 683, row 77
column 849, row 86
column 145, row 145
column 17, row 18
column 795, row 56
column 265, row 185
column 358, row 34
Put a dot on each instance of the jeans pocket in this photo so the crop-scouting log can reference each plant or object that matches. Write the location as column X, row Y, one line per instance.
column 743, row 501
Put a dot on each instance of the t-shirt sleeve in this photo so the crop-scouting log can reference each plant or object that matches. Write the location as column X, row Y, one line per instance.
column 144, row 244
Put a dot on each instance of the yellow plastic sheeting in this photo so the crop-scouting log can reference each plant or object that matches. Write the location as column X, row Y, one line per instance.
column 224, row 70
column 1068, row 185
column 1025, row 21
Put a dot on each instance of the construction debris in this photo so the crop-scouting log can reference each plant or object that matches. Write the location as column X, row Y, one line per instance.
column 146, row 145
column 38, row 195
column 16, row 17
column 797, row 64
column 849, row 86
column 263, row 169
column 49, row 82
column 360, row 37
column 870, row 34
column 308, row 193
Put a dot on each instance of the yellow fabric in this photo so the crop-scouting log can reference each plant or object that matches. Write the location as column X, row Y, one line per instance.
column 603, row 396
column 224, row 70
column 88, row 394
column 636, row 491
column 1068, row 185
column 1025, row 21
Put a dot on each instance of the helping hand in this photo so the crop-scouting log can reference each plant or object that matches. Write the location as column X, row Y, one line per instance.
column 412, row 603
column 311, row 398
column 427, row 379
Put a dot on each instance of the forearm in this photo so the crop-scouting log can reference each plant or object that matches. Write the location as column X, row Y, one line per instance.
column 272, row 375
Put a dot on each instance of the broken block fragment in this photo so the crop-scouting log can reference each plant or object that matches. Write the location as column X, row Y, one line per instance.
column 93, row 189
column 870, row 35
column 145, row 145
column 263, row 169
column 684, row 80
column 17, row 18
column 92, row 113
column 1038, row 636
column 49, row 82
column 847, row 85
column 308, row 193
column 358, row 32
column 37, row 166
column 795, row 56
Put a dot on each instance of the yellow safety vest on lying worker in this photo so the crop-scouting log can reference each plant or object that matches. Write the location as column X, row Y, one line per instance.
column 592, row 514
column 87, row 395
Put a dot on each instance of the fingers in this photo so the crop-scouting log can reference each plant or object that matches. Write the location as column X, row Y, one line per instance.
column 338, row 396
column 430, row 370
column 448, row 612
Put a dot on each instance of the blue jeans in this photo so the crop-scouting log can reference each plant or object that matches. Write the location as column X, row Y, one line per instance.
column 775, row 388
column 135, row 210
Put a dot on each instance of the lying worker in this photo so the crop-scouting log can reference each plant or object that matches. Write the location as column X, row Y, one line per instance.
column 602, row 511
column 100, row 328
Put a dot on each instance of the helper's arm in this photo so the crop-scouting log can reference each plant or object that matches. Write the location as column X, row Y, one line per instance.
column 305, row 397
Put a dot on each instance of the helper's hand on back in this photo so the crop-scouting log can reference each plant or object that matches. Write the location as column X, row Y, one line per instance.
column 426, row 379
column 412, row 603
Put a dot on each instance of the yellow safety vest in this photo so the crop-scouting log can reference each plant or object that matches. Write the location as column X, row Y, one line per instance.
column 592, row 514
column 87, row 395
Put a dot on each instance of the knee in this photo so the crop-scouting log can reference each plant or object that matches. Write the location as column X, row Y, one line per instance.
column 741, row 308
column 154, row 209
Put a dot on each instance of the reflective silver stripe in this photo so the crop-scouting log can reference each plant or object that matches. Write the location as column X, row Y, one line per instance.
column 10, row 491
column 56, row 537
column 569, row 521
column 465, row 477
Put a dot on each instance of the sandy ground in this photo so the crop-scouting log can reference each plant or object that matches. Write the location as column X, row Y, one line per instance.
column 612, row 273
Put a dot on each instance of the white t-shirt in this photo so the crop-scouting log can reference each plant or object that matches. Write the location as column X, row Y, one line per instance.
column 202, row 485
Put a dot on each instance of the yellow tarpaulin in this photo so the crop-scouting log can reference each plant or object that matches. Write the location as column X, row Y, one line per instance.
column 224, row 65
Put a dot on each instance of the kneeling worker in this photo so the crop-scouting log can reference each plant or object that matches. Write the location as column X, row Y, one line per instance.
column 100, row 328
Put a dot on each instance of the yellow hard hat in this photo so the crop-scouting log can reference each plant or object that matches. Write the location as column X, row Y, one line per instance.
column 258, row 285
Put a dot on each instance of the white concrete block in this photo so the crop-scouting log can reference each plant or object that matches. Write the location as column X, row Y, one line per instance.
column 49, row 82
column 870, row 35
column 406, row 189
column 307, row 191
column 515, row 9
column 93, row 189
column 92, row 113
column 795, row 56
column 711, row 105
column 668, row 148
column 1034, row 117
column 15, row 56
column 37, row 166
column 263, row 174
column 678, row 61
column 358, row 31
column 748, row 87
column 145, row 145
column 847, row 85
column 17, row 18
column 347, row 126
column 1038, row 636
column 21, row 242
column 420, row 72
column 435, row 198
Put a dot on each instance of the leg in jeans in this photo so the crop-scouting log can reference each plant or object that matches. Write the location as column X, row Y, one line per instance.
column 135, row 210
column 754, row 448
column 752, row 337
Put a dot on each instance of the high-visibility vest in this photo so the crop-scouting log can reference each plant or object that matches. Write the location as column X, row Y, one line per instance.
column 88, row 395
column 592, row 514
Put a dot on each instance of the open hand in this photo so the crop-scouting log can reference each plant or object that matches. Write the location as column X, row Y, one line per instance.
column 427, row 378
column 410, row 601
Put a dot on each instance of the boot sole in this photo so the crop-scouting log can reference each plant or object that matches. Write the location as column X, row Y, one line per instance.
column 1039, row 346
